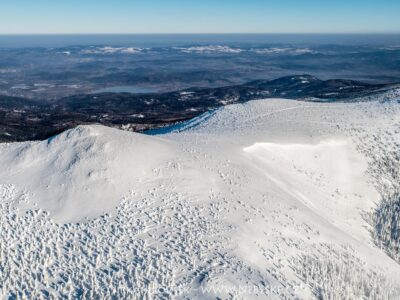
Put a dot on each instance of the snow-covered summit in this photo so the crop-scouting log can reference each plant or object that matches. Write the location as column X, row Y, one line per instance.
column 268, row 199
column 82, row 172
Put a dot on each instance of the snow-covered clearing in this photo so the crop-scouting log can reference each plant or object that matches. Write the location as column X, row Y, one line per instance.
column 269, row 199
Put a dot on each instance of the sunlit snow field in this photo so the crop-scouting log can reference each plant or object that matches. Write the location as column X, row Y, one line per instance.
column 274, row 199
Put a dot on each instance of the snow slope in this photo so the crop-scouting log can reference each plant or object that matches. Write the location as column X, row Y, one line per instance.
column 79, row 172
column 268, row 199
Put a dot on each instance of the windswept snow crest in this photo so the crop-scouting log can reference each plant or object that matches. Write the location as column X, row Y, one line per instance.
column 81, row 172
column 268, row 199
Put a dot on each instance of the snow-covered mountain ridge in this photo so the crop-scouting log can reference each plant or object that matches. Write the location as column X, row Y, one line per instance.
column 268, row 199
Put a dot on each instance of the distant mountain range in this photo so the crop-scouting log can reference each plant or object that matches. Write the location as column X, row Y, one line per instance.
column 22, row 119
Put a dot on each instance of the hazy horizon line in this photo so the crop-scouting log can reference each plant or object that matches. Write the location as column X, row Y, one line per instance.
column 206, row 33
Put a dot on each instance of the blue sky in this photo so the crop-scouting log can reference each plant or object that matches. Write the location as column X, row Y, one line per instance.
column 199, row 16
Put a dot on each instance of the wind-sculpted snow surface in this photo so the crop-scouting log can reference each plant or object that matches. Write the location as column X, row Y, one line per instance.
column 271, row 199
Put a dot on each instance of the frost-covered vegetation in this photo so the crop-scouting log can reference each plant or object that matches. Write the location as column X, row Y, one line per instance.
column 384, row 151
column 337, row 273
column 152, row 247
column 387, row 225
column 111, row 256
column 388, row 95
